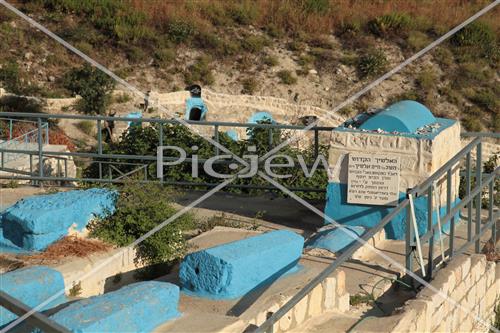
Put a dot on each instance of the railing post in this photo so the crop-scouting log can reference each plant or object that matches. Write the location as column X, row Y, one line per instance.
column 490, row 212
column 448, row 209
column 10, row 129
column 479, row 169
column 47, row 133
column 430, row 227
column 99, row 145
column 467, row 193
column 316, row 142
column 270, row 139
column 161, row 144
column 40, row 151
column 216, row 136
column 409, row 242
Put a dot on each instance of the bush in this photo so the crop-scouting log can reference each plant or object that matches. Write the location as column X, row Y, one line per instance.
column 254, row 44
column 20, row 104
column 476, row 40
column 93, row 86
column 389, row 24
column 486, row 99
column 372, row 63
column 244, row 13
column 472, row 124
column 9, row 77
column 249, row 86
column 199, row 72
column 286, row 77
column 122, row 98
column 426, row 80
column 180, row 31
column 271, row 61
column 138, row 211
column 418, row 40
column 476, row 34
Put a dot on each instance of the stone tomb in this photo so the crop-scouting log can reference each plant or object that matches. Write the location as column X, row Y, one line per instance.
column 404, row 134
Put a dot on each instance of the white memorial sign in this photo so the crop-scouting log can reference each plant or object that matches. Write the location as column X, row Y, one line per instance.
column 373, row 179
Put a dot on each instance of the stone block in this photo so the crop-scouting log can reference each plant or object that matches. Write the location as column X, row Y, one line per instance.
column 231, row 270
column 340, row 277
column 300, row 311
column 490, row 273
column 478, row 266
column 35, row 222
column 481, row 286
column 316, row 301
column 423, row 314
column 139, row 307
column 32, row 286
column 342, row 303
column 329, row 293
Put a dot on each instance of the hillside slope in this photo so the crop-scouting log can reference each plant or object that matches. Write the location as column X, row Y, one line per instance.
column 315, row 52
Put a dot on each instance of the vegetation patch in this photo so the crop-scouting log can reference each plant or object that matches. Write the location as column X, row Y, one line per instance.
column 286, row 77
column 139, row 210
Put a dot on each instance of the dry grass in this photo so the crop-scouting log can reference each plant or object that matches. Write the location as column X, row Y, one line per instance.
column 293, row 16
column 70, row 246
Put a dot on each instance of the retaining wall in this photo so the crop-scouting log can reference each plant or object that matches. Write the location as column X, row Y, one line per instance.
column 329, row 296
column 471, row 281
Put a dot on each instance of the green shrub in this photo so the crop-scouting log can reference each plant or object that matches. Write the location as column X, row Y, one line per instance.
column 10, row 77
column 249, row 86
column 122, row 98
column 271, row 61
column 136, row 54
column 86, row 126
column 11, row 103
column 139, row 209
column 371, row 63
column 180, row 31
column 244, row 12
column 476, row 34
column 476, row 40
column 472, row 124
column 164, row 56
column 286, row 77
column 486, row 99
column 93, row 86
column 443, row 56
column 296, row 46
column 199, row 72
column 496, row 123
column 321, row 7
column 348, row 28
column 274, row 31
column 426, row 80
column 254, row 44
column 418, row 40
column 389, row 24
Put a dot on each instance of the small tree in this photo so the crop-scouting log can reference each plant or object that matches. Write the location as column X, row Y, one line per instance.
column 94, row 87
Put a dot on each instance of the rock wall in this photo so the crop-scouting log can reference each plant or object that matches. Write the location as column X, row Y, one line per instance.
column 471, row 281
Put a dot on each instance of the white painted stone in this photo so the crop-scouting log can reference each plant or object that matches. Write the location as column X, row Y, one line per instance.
column 315, row 301
column 342, row 302
column 329, row 290
column 300, row 311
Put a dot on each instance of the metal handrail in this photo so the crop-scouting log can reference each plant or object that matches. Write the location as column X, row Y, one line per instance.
column 331, row 268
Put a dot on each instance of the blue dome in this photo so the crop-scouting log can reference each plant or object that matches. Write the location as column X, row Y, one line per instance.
column 404, row 117
column 261, row 116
